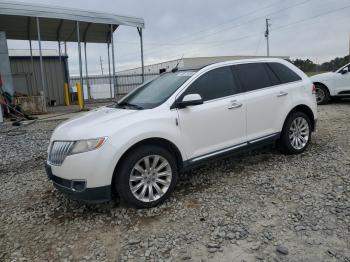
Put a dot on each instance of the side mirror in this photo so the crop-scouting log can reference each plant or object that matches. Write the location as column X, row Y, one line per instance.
column 190, row 100
column 345, row 71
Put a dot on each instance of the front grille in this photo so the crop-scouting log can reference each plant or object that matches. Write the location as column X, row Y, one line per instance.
column 59, row 151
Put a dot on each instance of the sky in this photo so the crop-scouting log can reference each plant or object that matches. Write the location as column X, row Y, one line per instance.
column 314, row 29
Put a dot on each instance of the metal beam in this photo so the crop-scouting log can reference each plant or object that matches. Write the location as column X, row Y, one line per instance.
column 58, row 36
column 85, row 31
column 31, row 55
column 59, row 50
column 58, row 33
column 109, row 71
column 41, row 65
column 86, row 63
column 115, row 88
column 142, row 61
column 86, row 73
column 80, row 61
column 66, row 64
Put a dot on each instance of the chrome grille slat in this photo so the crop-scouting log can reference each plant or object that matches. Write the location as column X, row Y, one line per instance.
column 59, row 151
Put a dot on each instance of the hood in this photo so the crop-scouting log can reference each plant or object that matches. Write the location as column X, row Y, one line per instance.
column 96, row 123
column 323, row 76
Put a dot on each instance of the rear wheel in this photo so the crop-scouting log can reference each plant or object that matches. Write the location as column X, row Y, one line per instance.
column 296, row 133
column 146, row 176
column 322, row 94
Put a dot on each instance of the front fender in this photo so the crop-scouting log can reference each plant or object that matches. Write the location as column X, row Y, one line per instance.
column 147, row 129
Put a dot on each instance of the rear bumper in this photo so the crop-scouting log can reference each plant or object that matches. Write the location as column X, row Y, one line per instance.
column 76, row 189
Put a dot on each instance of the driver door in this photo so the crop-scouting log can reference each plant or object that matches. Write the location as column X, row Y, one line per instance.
column 342, row 81
column 217, row 125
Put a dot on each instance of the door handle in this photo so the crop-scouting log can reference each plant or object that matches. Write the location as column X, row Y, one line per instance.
column 234, row 105
column 281, row 94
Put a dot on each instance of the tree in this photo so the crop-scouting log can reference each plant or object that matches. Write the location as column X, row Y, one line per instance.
column 309, row 66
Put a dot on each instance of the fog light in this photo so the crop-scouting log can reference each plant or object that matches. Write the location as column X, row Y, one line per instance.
column 78, row 185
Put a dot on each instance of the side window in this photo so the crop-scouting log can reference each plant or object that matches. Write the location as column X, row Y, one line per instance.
column 273, row 78
column 214, row 84
column 285, row 74
column 253, row 76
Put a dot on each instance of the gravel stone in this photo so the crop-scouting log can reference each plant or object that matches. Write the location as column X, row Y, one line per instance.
column 282, row 250
column 245, row 207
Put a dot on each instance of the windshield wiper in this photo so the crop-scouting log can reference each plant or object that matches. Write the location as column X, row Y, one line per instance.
column 130, row 105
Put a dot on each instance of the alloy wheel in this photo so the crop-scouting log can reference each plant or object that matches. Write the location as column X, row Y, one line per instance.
column 320, row 95
column 299, row 133
column 150, row 178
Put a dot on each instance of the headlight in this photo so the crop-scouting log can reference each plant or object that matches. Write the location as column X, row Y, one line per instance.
column 87, row 145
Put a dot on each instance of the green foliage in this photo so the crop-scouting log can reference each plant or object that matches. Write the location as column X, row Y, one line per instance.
column 309, row 66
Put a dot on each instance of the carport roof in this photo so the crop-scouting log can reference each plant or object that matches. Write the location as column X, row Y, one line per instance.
column 18, row 20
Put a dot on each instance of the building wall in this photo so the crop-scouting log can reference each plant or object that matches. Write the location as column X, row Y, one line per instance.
column 153, row 69
column 55, row 75
column 193, row 62
column 202, row 61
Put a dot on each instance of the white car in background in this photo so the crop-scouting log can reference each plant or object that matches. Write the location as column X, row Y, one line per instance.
column 332, row 85
column 137, row 147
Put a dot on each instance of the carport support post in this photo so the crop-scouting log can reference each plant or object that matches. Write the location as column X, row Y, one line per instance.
column 113, row 62
column 109, row 71
column 80, row 63
column 41, row 65
column 32, row 65
column 59, row 51
column 86, row 73
column 142, row 62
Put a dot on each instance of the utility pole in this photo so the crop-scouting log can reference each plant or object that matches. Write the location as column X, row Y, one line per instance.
column 349, row 48
column 267, row 34
column 101, row 65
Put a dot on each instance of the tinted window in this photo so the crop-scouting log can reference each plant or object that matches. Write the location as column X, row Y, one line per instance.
column 285, row 74
column 273, row 78
column 214, row 84
column 253, row 76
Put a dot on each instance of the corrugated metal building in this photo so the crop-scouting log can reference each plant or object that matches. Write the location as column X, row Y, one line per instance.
column 26, row 75
column 187, row 63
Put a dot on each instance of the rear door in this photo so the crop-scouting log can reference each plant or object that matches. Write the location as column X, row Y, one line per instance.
column 220, row 122
column 266, row 99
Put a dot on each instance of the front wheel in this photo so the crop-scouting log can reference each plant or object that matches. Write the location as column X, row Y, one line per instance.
column 322, row 94
column 296, row 133
column 146, row 176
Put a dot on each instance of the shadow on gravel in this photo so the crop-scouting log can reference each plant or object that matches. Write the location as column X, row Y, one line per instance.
column 196, row 180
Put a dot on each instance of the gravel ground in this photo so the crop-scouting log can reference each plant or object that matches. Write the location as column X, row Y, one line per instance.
column 261, row 206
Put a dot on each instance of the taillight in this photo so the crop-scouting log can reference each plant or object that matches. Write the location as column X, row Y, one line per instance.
column 314, row 89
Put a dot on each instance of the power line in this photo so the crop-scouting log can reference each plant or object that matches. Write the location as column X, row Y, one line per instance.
column 285, row 26
column 298, row 21
column 207, row 29
column 312, row 17
column 152, row 50
column 267, row 35
column 277, row 28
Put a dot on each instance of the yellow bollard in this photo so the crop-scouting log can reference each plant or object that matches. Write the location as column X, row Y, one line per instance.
column 80, row 96
column 66, row 94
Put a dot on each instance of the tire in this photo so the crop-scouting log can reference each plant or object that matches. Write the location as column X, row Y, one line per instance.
column 288, row 145
column 150, row 189
column 322, row 94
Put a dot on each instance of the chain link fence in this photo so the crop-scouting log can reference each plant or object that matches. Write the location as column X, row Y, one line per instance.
column 101, row 87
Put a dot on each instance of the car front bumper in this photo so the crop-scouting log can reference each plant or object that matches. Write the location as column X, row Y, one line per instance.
column 77, row 190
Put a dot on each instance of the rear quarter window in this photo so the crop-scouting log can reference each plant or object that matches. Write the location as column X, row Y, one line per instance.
column 285, row 74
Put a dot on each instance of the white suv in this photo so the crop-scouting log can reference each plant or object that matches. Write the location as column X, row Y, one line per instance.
column 332, row 85
column 137, row 147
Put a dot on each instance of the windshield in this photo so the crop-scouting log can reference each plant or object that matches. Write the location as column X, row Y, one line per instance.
column 157, row 91
column 342, row 68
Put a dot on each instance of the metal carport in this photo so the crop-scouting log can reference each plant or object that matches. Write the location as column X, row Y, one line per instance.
column 22, row 21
